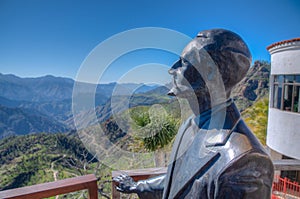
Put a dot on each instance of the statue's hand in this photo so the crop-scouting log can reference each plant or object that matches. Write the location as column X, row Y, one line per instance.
column 125, row 184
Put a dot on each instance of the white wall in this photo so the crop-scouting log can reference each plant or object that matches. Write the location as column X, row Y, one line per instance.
column 284, row 132
column 285, row 59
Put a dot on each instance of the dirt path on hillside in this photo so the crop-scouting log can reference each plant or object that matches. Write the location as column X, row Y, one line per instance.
column 55, row 172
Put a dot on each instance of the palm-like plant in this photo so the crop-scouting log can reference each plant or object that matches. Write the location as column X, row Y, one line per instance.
column 154, row 127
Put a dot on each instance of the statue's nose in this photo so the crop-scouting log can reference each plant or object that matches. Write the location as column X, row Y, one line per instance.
column 171, row 71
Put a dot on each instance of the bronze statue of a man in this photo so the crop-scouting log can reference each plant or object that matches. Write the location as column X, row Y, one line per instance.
column 215, row 155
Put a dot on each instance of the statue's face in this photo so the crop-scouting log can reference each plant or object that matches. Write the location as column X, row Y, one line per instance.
column 216, row 60
column 187, row 79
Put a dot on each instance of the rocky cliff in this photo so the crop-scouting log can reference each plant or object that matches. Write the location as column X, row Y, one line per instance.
column 254, row 86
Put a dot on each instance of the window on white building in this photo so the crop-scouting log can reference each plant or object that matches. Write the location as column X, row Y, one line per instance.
column 286, row 89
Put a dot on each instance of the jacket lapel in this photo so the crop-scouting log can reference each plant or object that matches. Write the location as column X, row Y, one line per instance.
column 173, row 156
column 193, row 163
column 178, row 139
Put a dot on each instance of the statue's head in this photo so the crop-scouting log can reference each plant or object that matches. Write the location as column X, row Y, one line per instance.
column 212, row 52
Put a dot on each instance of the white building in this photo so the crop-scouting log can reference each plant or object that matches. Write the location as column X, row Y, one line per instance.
column 283, row 134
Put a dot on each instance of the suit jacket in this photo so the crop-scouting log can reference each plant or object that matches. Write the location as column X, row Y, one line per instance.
column 209, row 163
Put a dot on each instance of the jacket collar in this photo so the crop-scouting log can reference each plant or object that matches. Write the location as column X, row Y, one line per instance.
column 218, row 123
column 204, row 119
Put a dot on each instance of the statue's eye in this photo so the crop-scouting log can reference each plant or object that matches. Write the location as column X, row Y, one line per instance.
column 184, row 61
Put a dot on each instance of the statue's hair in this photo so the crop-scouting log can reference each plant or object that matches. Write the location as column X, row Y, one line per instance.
column 229, row 52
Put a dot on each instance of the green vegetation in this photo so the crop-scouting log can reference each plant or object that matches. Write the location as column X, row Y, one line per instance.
column 39, row 158
column 155, row 127
column 256, row 118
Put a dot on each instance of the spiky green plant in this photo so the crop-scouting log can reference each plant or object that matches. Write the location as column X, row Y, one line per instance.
column 154, row 127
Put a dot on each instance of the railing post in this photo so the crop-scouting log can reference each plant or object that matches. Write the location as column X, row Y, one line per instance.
column 115, row 194
column 93, row 190
column 284, row 185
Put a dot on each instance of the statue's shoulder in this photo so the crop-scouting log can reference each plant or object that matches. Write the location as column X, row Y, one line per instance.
column 234, row 143
column 244, row 148
column 244, row 151
column 245, row 139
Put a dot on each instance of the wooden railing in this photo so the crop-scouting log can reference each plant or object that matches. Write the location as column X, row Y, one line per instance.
column 89, row 182
column 49, row 189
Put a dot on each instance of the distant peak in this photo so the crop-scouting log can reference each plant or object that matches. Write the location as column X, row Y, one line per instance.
column 50, row 76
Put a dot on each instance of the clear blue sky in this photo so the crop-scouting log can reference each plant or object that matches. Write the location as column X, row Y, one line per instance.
column 39, row 37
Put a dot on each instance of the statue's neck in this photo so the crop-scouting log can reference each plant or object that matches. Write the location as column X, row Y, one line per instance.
column 199, row 105
column 203, row 104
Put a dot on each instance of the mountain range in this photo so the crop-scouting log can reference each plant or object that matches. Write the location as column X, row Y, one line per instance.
column 44, row 104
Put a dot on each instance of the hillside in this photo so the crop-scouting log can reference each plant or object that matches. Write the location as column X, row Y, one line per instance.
column 35, row 89
column 18, row 121
column 256, row 117
column 44, row 104
column 32, row 159
column 117, row 105
column 254, row 86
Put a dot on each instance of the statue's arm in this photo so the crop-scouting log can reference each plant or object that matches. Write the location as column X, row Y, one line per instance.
column 151, row 188
column 249, row 177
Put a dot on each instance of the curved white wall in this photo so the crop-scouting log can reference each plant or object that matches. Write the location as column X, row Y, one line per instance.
column 286, row 60
column 283, row 134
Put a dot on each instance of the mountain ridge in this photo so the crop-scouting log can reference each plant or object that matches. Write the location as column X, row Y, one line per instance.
column 50, row 98
column 254, row 86
column 16, row 121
